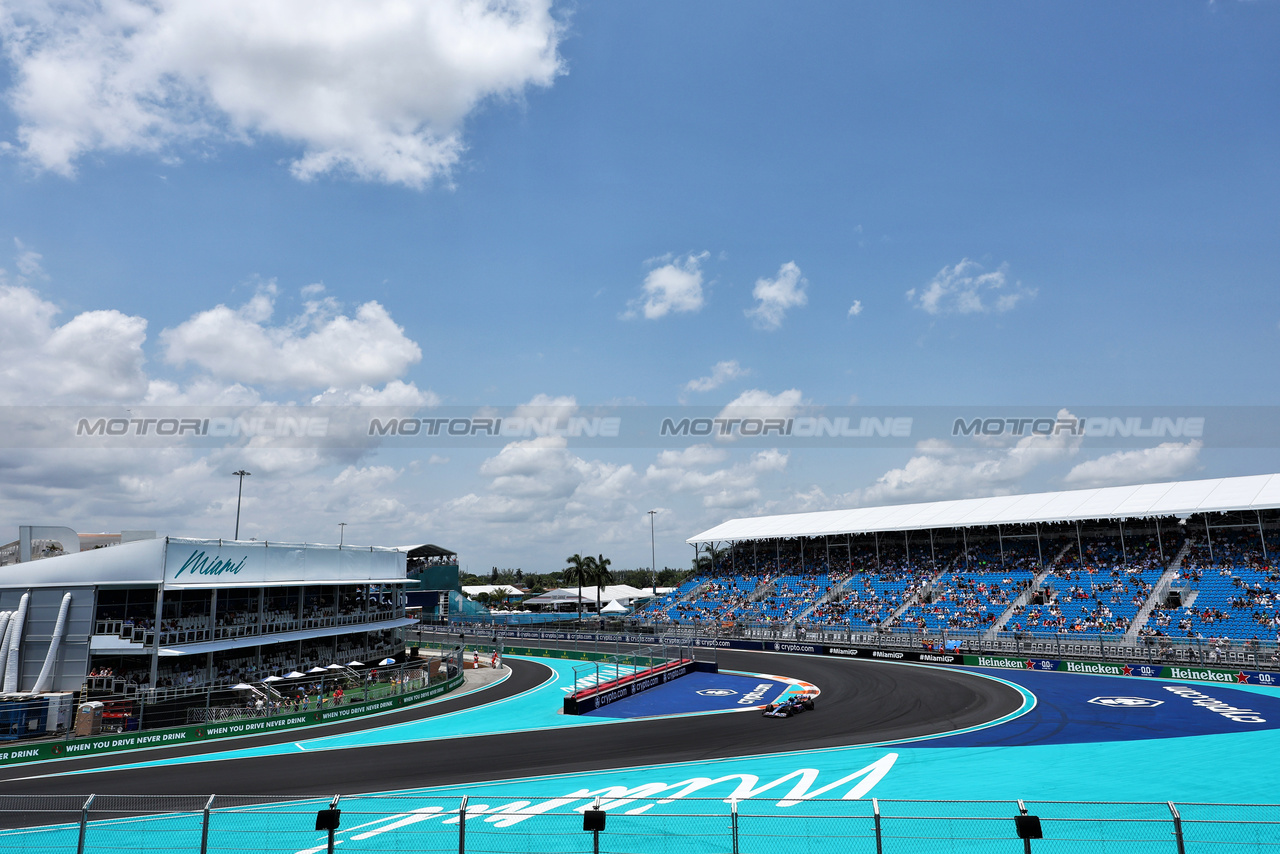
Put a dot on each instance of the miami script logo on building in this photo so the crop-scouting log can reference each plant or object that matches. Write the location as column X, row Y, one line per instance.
column 201, row 564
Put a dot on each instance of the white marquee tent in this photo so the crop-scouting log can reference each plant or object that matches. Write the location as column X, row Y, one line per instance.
column 1180, row 499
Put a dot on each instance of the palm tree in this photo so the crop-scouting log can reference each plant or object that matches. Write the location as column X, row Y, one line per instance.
column 600, row 575
column 705, row 562
column 579, row 570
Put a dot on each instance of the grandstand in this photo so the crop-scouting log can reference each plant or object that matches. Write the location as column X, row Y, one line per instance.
column 1161, row 564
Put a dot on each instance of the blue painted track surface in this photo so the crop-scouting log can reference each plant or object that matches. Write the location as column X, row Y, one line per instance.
column 1099, row 709
column 698, row 693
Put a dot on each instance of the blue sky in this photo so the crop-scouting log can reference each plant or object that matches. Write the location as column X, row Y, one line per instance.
column 909, row 204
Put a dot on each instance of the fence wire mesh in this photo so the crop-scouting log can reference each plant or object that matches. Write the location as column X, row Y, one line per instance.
column 636, row 823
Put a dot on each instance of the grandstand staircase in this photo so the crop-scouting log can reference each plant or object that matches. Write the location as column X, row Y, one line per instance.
column 1158, row 594
column 1024, row 598
column 696, row 592
column 833, row 593
column 761, row 590
column 917, row 598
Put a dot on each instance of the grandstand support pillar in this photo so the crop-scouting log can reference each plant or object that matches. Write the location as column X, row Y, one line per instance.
column 1208, row 537
column 212, row 624
column 155, row 635
column 1124, row 553
column 933, row 555
column 1039, row 551
column 877, row 536
column 1160, row 540
column 1000, row 539
column 964, row 536
column 906, row 539
column 1177, row 828
column 1262, row 535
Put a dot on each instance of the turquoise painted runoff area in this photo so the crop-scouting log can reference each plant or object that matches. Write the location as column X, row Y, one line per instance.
column 791, row 795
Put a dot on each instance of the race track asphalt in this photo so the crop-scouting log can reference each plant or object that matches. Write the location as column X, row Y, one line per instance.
column 862, row 702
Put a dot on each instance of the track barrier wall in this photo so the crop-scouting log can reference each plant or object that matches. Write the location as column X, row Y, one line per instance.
column 114, row 742
column 870, row 650
column 637, row 825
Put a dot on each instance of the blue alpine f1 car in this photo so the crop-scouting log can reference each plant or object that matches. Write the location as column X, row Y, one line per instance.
column 793, row 705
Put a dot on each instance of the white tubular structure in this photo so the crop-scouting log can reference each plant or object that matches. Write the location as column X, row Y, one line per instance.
column 15, row 646
column 5, row 622
column 45, row 679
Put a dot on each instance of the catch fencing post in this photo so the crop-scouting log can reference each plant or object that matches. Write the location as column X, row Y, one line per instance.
column 1028, row 826
column 1177, row 828
column 462, row 826
column 204, row 826
column 875, row 812
column 593, row 820
column 84, row 823
column 733, row 807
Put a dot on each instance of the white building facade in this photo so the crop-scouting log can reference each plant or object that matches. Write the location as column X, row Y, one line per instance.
column 174, row 613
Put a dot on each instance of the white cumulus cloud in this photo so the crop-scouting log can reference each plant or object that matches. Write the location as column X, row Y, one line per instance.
column 378, row 90
column 321, row 348
column 776, row 296
column 758, row 403
column 967, row 288
column 721, row 373
column 942, row 471
column 94, row 356
column 856, row 308
column 690, row 472
column 673, row 288
column 1167, row 461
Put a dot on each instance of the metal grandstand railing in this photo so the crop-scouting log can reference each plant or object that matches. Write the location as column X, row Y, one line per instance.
column 1262, row 655
column 438, row 822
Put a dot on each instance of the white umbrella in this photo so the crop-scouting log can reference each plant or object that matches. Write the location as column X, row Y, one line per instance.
column 334, row 667
column 275, row 678
column 355, row 664
column 242, row 687
column 386, row 661
column 293, row 674
column 316, row 670
column 614, row 607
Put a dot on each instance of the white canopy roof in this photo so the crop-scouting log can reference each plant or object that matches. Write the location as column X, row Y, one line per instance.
column 1179, row 498
column 611, row 592
column 500, row 589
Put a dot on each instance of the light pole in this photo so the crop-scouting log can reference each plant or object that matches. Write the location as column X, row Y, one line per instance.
column 653, row 561
column 242, row 474
column 341, row 532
